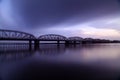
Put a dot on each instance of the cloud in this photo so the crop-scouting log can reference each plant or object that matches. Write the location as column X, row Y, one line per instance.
column 107, row 22
column 47, row 13
column 84, row 30
column 100, row 32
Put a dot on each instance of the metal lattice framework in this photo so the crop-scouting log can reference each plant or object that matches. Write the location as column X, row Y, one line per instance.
column 52, row 37
column 75, row 38
column 88, row 39
column 11, row 34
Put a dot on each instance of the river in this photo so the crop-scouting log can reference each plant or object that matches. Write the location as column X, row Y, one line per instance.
column 86, row 62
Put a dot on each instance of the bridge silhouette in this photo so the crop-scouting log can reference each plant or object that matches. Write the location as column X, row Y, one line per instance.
column 7, row 35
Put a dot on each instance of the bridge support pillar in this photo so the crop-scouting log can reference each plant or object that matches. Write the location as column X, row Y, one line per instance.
column 36, row 44
column 66, row 43
column 74, row 42
column 58, row 42
column 80, row 42
column 30, row 44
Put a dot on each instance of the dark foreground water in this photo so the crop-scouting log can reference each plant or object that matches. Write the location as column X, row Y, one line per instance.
column 52, row 62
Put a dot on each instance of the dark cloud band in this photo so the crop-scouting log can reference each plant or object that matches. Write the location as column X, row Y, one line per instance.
column 43, row 13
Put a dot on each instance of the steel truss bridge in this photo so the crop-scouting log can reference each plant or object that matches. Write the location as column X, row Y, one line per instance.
column 8, row 35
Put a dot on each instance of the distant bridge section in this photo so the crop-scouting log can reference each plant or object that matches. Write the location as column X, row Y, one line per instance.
column 52, row 37
column 75, row 38
column 15, row 35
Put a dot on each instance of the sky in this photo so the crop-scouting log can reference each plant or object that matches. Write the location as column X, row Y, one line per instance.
column 84, row 18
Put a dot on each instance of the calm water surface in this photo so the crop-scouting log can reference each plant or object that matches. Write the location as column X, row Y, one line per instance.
column 90, row 61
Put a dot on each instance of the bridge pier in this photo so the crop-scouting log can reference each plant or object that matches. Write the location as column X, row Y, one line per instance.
column 36, row 44
column 58, row 42
column 67, row 43
column 80, row 42
column 74, row 42
column 30, row 44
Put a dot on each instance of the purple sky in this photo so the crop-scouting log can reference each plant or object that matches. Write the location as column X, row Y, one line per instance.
column 85, row 18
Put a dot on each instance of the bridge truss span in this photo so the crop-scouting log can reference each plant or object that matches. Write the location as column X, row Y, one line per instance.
column 52, row 37
column 17, row 35
column 75, row 38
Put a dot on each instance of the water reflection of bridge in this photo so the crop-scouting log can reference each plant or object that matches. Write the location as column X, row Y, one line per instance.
column 17, row 53
column 8, row 35
column 8, row 53
column 14, row 55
